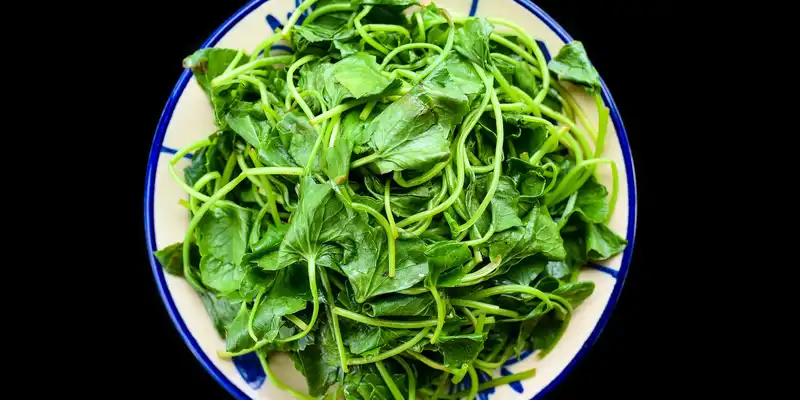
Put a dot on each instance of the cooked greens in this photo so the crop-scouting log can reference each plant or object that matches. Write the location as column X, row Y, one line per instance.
column 407, row 198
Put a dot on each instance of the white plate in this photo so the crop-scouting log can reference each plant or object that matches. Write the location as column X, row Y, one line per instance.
column 187, row 117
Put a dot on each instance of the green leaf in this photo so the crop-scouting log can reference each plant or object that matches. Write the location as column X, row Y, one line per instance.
column 443, row 257
column 538, row 234
column 472, row 41
column 222, row 276
column 253, row 131
column 460, row 351
column 421, row 305
column 171, row 258
column 369, row 269
column 337, row 159
column 525, row 272
column 365, row 383
column 222, row 233
column 255, row 279
column 269, row 262
column 572, row 64
column 206, row 64
column 270, row 240
column 405, row 202
column 602, row 242
column 591, row 202
column 318, row 361
column 405, row 135
column 302, row 137
column 279, row 303
column 236, row 337
column 221, row 310
column 525, row 80
column 361, row 76
column 503, row 204
column 364, row 338
column 317, row 225
column 575, row 292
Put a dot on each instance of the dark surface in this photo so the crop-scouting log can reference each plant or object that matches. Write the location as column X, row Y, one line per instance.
column 631, row 43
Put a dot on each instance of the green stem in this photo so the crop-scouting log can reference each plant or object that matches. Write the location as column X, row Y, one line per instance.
column 287, row 29
column 387, row 203
column 493, row 291
column 199, row 185
column 385, row 323
column 272, row 116
column 412, row 379
column 528, row 41
column 267, row 188
column 252, row 316
column 367, row 110
column 262, row 357
column 498, row 159
column 266, row 44
column 339, row 109
column 427, row 361
column 473, row 389
column 471, row 318
column 485, row 307
column 549, row 145
column 428, row 175
column 327, row 9
column 482, row 239
column 226, row 172
column 363, row 32
column 387, row 378
column 312, row 281
column 387, row 28
column 420, row 26
column 393, row 352
column 440, row 311
column 448, row 47
column 497, row 382
column 297, row 321
column 409, row 46
column 390, row 233
column 471, row 121
column 334, row 319
column 566, row 187
column 365, row 160
column 581, row 135
column 290, row 84
column 258, row 63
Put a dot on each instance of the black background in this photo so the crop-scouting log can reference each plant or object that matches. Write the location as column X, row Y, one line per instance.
column 642, row 49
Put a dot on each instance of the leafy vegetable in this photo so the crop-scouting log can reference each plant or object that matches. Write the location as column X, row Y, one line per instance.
column 572, row 64
column 402, row 195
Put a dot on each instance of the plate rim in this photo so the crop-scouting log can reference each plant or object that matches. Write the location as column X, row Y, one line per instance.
column 152, row 166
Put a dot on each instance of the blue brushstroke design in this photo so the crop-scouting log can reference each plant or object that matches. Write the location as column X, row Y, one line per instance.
column 466, row 383
column 483, row 377
column 170, row 150
column 603, row 268
column 544, row 50
column 517, row 386
column 473, row 8
column 522, row 356
column 250, row 369
column 273, row 22
column 282, row 47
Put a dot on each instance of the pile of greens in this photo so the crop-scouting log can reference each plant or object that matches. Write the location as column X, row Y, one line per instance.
column 407, row 198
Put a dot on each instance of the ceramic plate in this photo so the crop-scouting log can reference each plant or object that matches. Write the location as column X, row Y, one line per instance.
column 187, row 118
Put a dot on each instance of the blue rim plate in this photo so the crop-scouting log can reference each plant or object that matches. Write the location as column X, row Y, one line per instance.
column 156, row 149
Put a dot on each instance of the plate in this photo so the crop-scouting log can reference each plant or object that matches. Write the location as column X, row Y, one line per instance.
column 187, row 118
